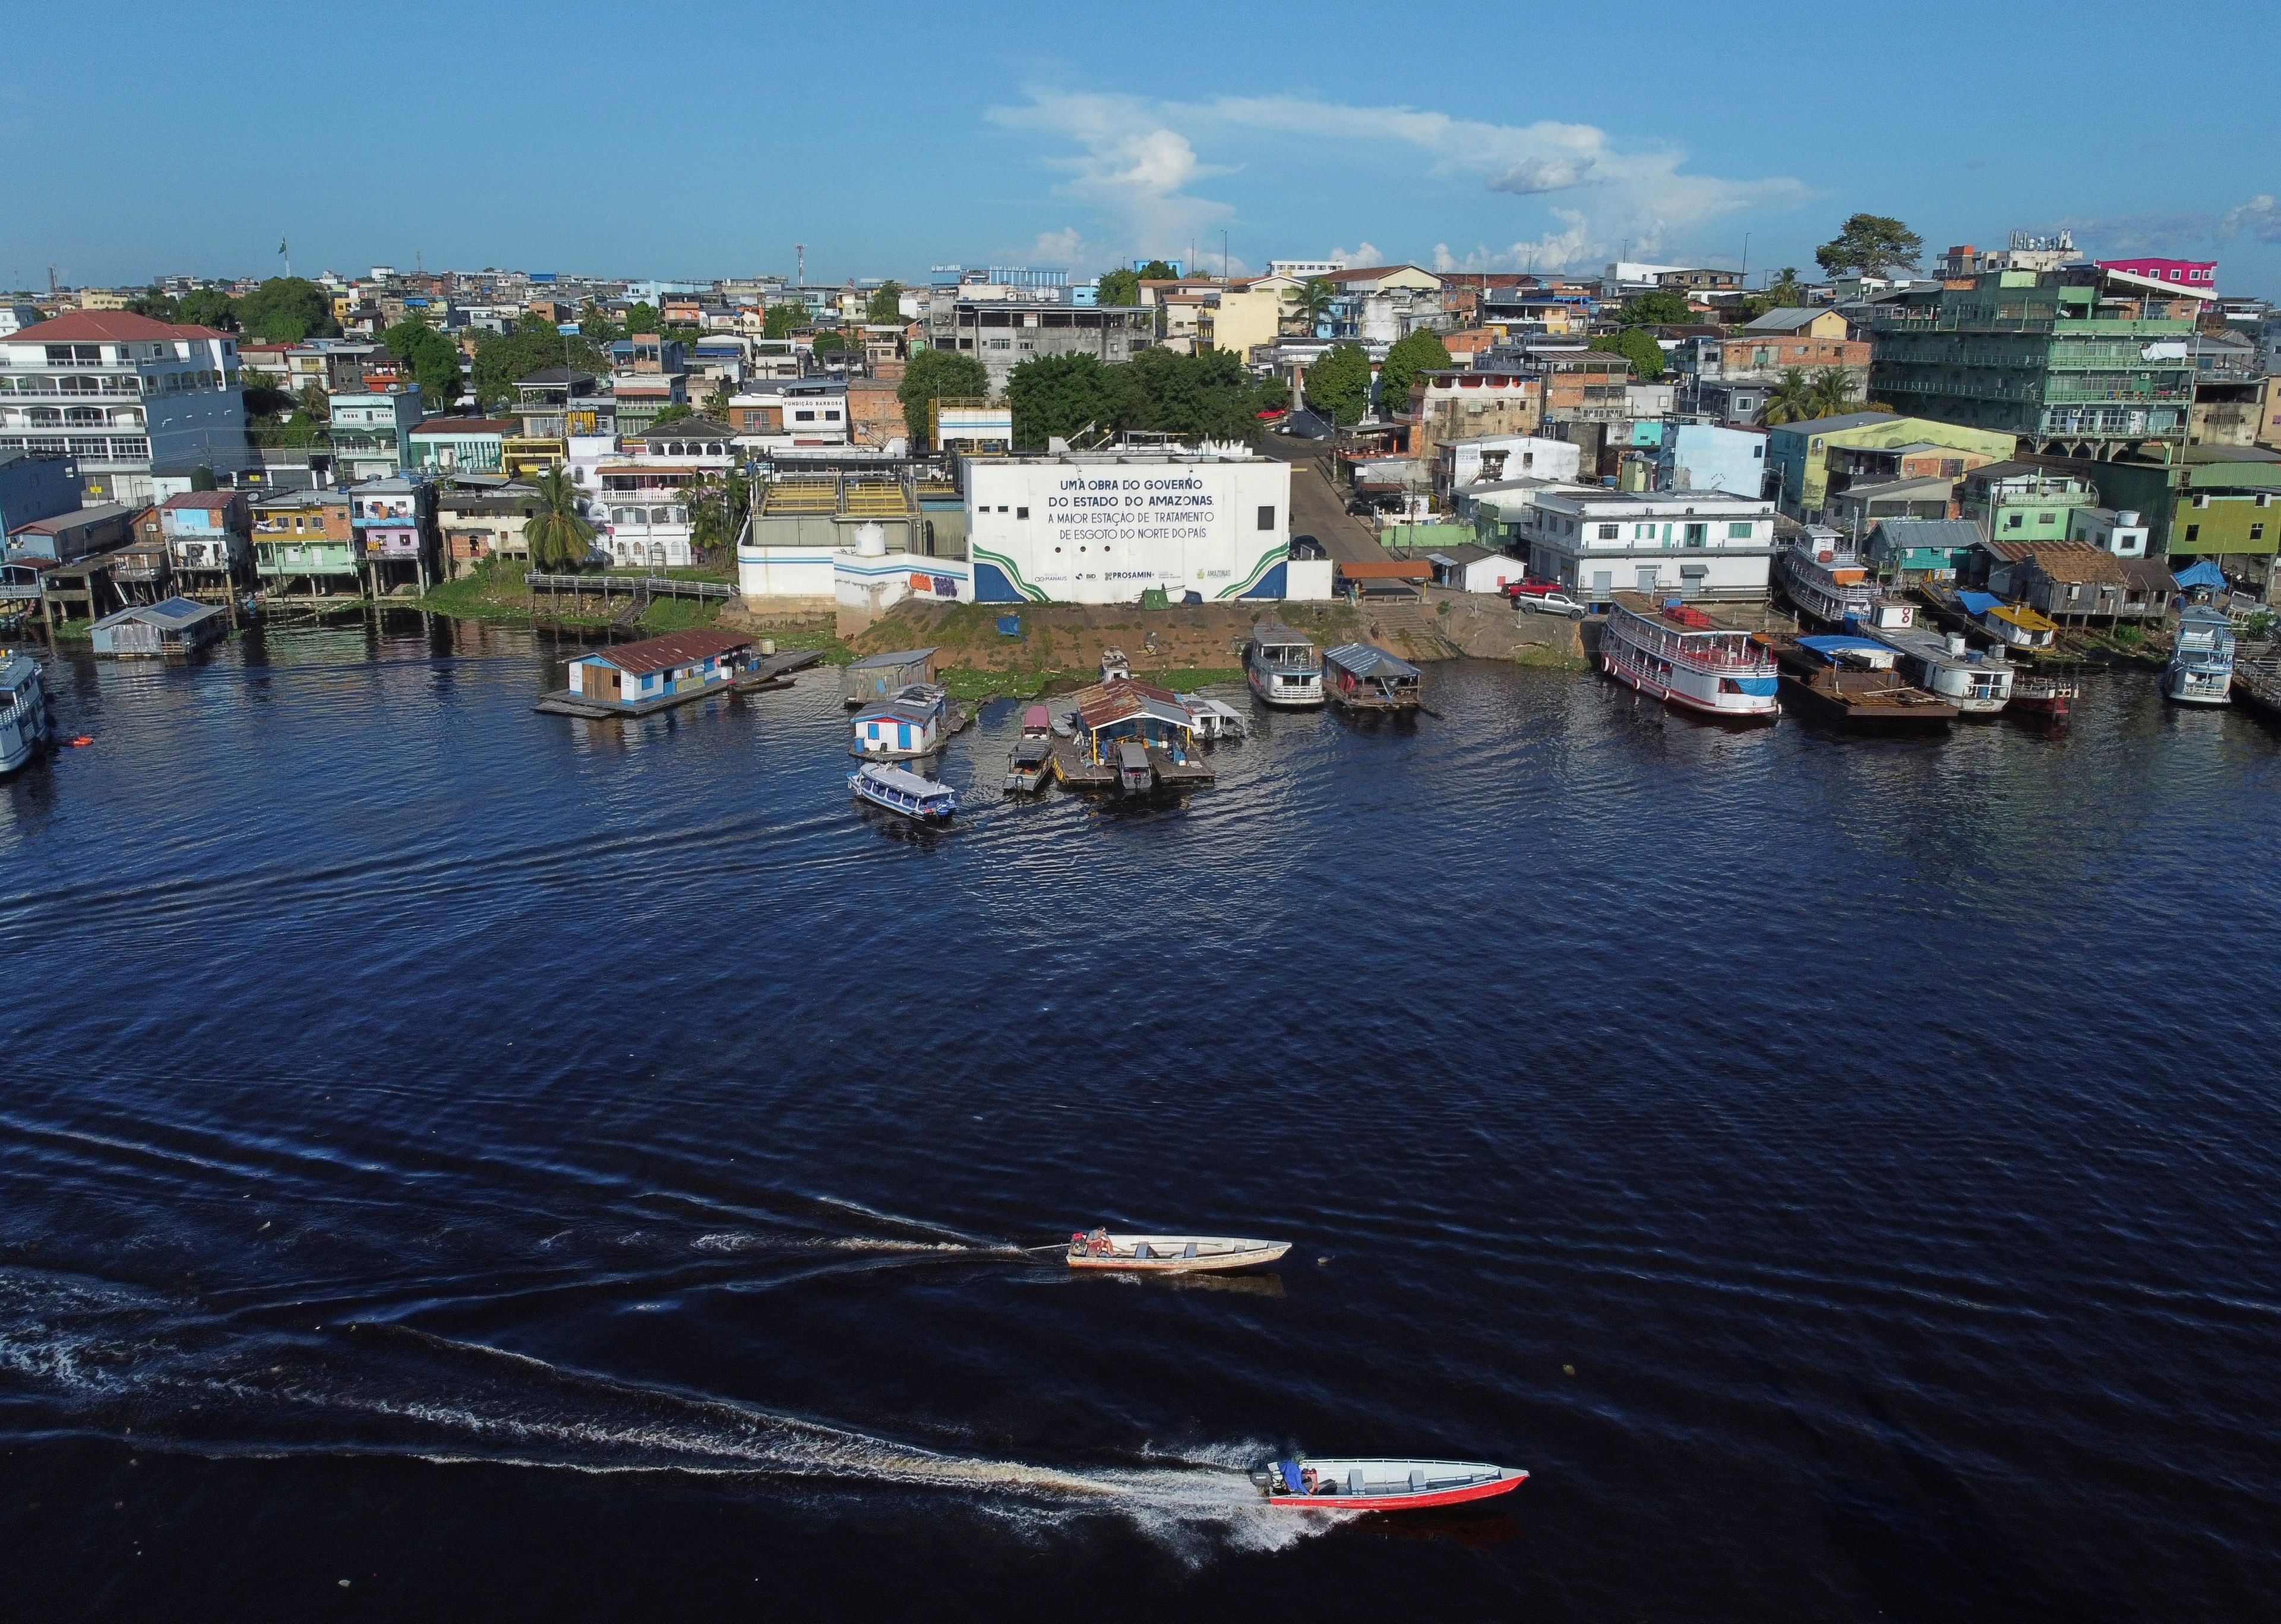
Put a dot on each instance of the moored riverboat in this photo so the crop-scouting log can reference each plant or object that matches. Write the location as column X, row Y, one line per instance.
column 1978, row 682
column 1828, row 583
column 24, row 724
column 1381, row 1485
column 1854, row 682
column 1682, row 657
column 1215, row 719
column 1364, row 676
column 2043, row 699
column 2201, row 671
column 900, row 790
column 1282, row 666
column 1029, row 764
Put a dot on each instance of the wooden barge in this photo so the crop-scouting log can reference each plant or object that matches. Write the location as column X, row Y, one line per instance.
column 1852, row 681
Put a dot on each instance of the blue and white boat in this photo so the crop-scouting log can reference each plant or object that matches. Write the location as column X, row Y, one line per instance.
column 23, row 711
column 900, row 790
column 2201, row 671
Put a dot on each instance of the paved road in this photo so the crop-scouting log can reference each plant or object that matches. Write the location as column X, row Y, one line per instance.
column 1316, row 510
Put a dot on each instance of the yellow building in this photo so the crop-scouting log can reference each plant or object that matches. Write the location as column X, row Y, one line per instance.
column 1247, row 314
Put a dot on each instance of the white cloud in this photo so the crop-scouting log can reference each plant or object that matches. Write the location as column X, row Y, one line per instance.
column 1139, row 166
column 2259, row 217
column 1364, row 252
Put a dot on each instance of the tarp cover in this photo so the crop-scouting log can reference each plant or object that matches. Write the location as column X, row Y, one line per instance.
column 2199, row 575
column 1978, row 603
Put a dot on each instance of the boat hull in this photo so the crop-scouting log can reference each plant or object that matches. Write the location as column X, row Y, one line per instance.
column 1483, row 1483
column 1124, row 1258
column 1759, row 708
column 1263, row 687
column 1808, row 701
column 2181, row 686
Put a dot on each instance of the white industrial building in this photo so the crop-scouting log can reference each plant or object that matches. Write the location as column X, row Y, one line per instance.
column 1689, row 545
column 1490, row 458
column 1104, row 527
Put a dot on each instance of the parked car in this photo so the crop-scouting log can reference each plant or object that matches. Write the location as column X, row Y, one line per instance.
column 1307, row 546
column 1519, row 590
column 1549, row 603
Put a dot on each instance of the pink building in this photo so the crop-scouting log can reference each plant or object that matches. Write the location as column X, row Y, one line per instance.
column 2186, row 272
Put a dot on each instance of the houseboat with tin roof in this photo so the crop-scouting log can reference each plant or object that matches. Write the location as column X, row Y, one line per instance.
column 1282, row 666
column 1825, row 580
column 1683, row 657
column 2201, row 671
column 1978, row 682
column 24, row 726
column 1364, row 676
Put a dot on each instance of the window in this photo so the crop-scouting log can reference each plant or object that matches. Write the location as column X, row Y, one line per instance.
column 1697, row 534
column 1267, row 517
column 2256, row 532
column 1608, row 532
column 2012, row 520
column 2194, row 532
column 2047, row 518
column 1739, row 531
column 803, row 417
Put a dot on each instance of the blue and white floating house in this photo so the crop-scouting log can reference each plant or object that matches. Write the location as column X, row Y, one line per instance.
column 904, row 726
column 634, row 675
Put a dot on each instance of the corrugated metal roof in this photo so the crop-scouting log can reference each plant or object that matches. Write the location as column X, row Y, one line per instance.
column 673, row 649
column 901, row 656
column 1105, row 704
column 1368, row 660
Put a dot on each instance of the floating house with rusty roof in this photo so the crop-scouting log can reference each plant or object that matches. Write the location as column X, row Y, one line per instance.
column 648, row 675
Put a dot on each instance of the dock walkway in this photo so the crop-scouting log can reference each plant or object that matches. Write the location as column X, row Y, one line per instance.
column 1073, row 771
column 773, row 671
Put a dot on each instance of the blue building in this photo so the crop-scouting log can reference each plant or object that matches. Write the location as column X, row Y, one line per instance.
column 1712, row 459
column 36, row 488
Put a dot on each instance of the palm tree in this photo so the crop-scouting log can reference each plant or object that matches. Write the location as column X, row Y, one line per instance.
column 1789, row 401
column 1832, row 391
column 1786, row 290
column 558, row 532
column 1313, row 300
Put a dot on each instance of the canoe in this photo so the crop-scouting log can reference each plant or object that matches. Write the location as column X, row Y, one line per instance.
column 1365, row 1485
column 1170, row 1254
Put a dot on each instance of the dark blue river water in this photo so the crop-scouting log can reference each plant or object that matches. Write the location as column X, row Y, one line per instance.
column 456, row 1162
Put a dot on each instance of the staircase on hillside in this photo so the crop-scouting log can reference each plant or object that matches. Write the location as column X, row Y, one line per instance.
column 1412, row 631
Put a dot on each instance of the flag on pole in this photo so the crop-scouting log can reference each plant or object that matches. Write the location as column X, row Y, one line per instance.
column 281, row 247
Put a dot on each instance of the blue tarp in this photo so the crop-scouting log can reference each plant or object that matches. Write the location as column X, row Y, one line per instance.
column 1760, row 685
column 1009, row 625
column 2199, row 575
column 1978, row 603
column 1831, row 647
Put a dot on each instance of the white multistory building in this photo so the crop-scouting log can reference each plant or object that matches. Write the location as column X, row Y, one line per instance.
column 1686, row 545
column 128, row 396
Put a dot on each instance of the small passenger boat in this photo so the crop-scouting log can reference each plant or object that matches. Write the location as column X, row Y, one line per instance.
column 2044, row 698
column 23, row 711
column 899, row 790
column 1825, row 579
column 2201, row 671
column 1170, row 1254
column 1135, row 775
column 1215, row 718
column 1282, row 666
column 1029, row 764
column 1114, row 664
column 1369, row 1485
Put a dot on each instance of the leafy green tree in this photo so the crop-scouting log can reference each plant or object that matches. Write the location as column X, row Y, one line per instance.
column 1663, row 307
column 1209, row 396
column 1157, row 270
column 939, row 375
column 642, row 318
column 155, row 305
column 1338, row 385
column 831, row 341
column 535, row 345
column 1748, row 308
column 717, row 512
column 202, row 478
column 717, row 403
column 1313, row 301
column 285, row 310
column 1420, row 351
column 213, row 307
column 1790, row 401
column 266, row 395
column 783, row 320
column 1636, row 345
column 1787, row 291
column 556, row 530
column 1119, row 288
column 434, row 358
column 1064, row 394
column 315, row 404
column 1870, row 244
column 1832, row 392
column 672, row 414
column 595, row 326
column 884, row 307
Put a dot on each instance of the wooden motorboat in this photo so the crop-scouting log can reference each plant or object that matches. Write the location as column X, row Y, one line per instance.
column 2044, row 698
column 1369, row 1485
column 1170, row 1254
column 1029, row 764
column 898, row 789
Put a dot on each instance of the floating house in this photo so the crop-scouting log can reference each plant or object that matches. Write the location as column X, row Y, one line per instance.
column 1364, row 676
column 909, row 722
column 1123, row 711
column 881, row 676
column 637, row 676
column 175, row 627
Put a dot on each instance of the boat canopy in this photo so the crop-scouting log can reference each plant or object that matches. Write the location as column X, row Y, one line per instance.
column 902, row 782
column 1831, row 647
column 1369, row 659
column 1979, row 603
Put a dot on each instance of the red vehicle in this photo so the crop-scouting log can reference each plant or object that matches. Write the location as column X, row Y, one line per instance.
column 1517, row 589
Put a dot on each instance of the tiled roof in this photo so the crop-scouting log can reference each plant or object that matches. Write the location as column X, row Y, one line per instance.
column 2071, row 561
column 673, row 649
column 110, row 326
column 216, row 500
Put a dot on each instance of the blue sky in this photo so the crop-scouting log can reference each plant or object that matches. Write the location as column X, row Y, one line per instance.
column 706, row 140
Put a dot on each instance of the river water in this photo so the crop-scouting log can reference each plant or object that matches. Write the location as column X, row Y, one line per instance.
column 457, row 1161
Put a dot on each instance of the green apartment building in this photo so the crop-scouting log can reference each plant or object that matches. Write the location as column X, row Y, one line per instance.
column 1799, row 453
column 2072, row 363
column 2218, row 502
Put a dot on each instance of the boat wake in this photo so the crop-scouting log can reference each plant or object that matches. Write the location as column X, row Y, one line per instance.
column 102, row 1359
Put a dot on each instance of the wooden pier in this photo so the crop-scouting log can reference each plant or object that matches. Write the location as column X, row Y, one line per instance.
column 773, row 671
column 1073, row 771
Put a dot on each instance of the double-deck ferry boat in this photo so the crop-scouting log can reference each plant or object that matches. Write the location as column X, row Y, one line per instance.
column 1978, row 682
column 23, row 711
column 1283, row 666
column 1825, row 579
column 2201, row 671
column 1682, row 657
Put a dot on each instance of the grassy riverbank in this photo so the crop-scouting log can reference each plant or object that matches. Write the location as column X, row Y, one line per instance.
column 496, row 592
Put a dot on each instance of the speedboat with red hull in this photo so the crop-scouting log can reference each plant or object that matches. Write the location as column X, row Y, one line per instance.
column 1377, row 1485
